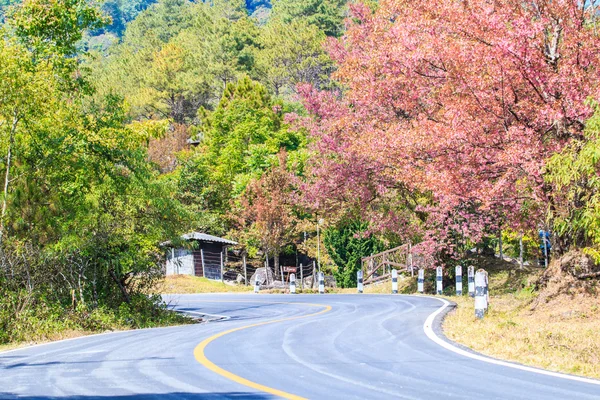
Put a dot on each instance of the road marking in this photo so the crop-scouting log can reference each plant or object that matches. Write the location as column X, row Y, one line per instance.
column 427, row 327
column 202, row 359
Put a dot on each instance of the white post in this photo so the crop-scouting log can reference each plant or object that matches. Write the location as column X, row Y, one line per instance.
column 421, row 281
column 301, row 277
column 394, row 281
column 256, row 284
column 359, row 276
column 471, row 282
column 438, row 280
column 481, row 293
column 458, row 273
column 245, row 269
column 321, row 283
column 293, row 283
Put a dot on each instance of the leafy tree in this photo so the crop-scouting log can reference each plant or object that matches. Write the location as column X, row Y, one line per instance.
column 52, row 34
column 241, row 138
column 292, row 53
column 266, row 211
column 346, row 245
column 469, row 114
column 327, row 15
column 573, row 177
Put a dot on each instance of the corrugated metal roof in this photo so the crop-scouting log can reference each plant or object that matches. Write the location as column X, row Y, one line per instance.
column 206, row 238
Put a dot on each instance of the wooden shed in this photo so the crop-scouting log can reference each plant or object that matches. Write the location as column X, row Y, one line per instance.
column 203, row 256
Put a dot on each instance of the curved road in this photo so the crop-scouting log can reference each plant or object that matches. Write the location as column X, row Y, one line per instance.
column 271, row 346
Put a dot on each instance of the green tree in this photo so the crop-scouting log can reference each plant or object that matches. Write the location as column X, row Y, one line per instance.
column 292, row 53
column 347, row 244
column 241, row 139
column 327, row 15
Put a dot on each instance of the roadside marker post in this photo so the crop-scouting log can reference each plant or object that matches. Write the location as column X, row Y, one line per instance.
column 256, row 284
column 394, row 281
column 458, row 274
column 359, row 276
column 293, row 283
column 438, row 280
column 321, row 283
column 471, row 273
column 481, row 293
column 421, row 281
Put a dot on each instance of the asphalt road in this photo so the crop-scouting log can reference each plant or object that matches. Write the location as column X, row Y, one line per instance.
column 270, row 346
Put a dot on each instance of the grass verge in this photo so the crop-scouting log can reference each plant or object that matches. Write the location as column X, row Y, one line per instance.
column 186, row 284
column 561, row 335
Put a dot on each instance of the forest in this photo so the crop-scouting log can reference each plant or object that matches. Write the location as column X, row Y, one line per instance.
column 127, row 123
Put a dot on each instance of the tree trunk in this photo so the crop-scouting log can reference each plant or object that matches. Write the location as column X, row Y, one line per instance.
column 278, row 273
column 11, row 142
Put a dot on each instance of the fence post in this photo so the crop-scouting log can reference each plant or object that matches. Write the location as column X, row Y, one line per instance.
column 439, row 285
column 222, row 279
column 458, row 273
column 321, row 283
column 301, row 277
column 256, row 284
column 293, row 283
column 394, row 281
column 359, row 276
column 202, row 259
column 421, row 281
column 481, row 293
column 245, row 269
column 471, row 282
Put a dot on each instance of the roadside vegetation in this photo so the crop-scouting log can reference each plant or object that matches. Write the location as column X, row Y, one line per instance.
column 546, row 326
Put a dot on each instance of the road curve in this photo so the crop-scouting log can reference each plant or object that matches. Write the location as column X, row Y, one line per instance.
column 271, row 346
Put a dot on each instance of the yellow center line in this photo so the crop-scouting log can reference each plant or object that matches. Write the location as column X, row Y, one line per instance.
column 202, row 359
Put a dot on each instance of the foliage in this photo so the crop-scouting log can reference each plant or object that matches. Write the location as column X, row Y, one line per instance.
column 290, row 54
column 265, row 212
column 83, row 210
column 347, row 244
column 573, row 176
column 327, row 15
column 469, row 112
column 241, row 140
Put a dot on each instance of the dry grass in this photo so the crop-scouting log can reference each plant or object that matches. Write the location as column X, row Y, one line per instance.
column 561, row 335
column 185, row 284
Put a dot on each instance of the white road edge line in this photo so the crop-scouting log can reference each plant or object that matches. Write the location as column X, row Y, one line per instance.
column 428, row 328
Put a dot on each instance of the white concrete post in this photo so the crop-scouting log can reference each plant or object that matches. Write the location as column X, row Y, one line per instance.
column 301, row 277
column 359, row 279
column 471, row 282
column 481, row 293
column 439, row 286
column 202, row 259
column 458, row 273
column 321, row 283
column 256, row 284
column 421, row 281
column 293, row 283
column 394, row 281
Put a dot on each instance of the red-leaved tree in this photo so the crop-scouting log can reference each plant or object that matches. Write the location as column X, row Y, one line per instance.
column 462, row 99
